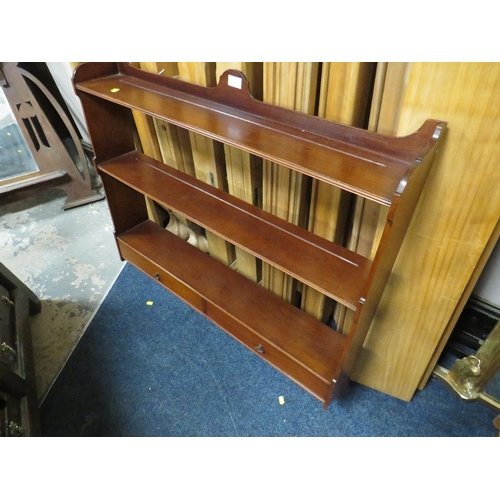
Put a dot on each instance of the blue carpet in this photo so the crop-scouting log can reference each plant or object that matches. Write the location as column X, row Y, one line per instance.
column 165, row 370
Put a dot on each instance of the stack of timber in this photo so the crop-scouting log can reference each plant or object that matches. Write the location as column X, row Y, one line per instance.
column 159, row 139
column 219, row 165
column 170, row 144
column 208, row 156
column 372, row 99
column 286, row 193
column 244, row 171
column 344, row 97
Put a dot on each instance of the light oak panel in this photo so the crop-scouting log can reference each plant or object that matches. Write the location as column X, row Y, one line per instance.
column 461, row 304
column 458, row 211
column 208, row 155
column 369, row 218
column 285, row 192
column 149, row 141
column 345, row 90
column 161, row 140
column 244, row 171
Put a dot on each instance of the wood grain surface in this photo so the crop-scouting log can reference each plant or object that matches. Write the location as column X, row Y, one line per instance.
column 344, row 96
column 293, row 86
column 208, row 155
column 244, row 171
column 456, row 215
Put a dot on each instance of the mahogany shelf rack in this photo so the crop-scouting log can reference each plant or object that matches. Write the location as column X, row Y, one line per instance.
column 388, row 170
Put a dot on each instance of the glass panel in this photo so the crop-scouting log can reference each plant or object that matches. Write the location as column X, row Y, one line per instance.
column 15, row 156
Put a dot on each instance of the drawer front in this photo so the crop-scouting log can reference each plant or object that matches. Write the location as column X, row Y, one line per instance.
column 267, row 351
column 163, row 277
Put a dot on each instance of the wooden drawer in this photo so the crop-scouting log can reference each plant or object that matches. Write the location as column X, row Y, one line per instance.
column 163, row 277
column 277, row 357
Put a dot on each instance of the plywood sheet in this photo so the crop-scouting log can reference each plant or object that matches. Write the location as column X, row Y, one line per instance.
column 208, row 155
column 345, row 93
column 285, row 192
column 454, row 220
column 368, row 217
column 244, row 171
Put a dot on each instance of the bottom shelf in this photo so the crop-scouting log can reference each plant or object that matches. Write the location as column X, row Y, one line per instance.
column 304, row 349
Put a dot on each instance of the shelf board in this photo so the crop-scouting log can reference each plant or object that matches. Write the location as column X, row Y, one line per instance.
column 327, row 267
column 311, row 350
column 352, row 159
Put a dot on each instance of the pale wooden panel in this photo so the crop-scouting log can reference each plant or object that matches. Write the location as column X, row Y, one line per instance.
column 173, row 142
column 175, row 146
column 395, row 81
column 345, row 91
column 389, row 91
column 208, row 155
column 244, row 171
column 285, row 192
column 369, row 218
column 147, row 135
column 172, row 146
column 461, row 304
column 454, row 220
column 149, row 142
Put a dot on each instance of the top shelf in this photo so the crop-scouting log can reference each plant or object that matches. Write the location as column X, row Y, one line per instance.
column 367, row 164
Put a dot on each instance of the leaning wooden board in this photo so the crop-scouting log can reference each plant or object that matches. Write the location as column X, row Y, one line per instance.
column 208, row 155
column 285, row 193
column 345, row 89
column 458, row 211
column 368, row 219
column 244, row 171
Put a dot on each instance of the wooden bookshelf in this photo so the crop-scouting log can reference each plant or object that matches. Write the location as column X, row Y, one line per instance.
column 388, row 170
